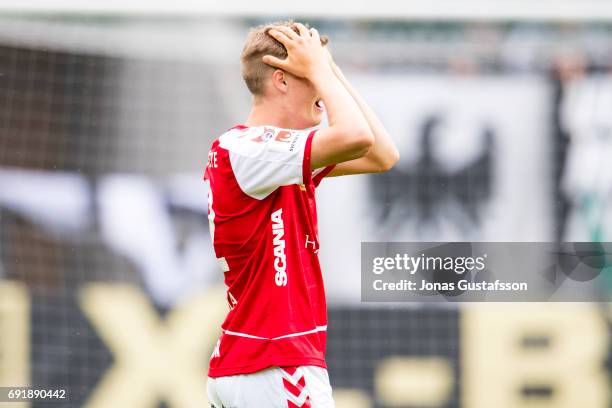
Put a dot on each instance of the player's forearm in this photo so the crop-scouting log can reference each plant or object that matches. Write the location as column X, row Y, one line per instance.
column 343, row 112
column 383, row 152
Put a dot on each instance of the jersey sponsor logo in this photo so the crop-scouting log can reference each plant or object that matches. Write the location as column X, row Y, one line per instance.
column 268, row 134
column 278, row 241
column 294, row 141
column 261, row 134
column 283, row 136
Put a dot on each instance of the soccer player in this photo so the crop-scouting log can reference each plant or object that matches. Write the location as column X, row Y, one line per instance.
column 263, row 219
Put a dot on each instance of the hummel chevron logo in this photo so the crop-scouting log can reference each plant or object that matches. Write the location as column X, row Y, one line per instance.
column 295, row 387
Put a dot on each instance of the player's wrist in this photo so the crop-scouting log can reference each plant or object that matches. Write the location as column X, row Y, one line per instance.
column 321, row 75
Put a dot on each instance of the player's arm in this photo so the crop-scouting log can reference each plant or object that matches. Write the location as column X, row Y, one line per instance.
column 383, row 155
column 348, row 136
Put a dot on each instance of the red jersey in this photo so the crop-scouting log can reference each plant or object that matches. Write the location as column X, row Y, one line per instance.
column 263, row 224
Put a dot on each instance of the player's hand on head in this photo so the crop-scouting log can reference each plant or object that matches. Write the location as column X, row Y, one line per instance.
column 305, row 54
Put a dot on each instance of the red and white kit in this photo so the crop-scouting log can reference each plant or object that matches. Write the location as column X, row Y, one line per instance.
column 263, row 222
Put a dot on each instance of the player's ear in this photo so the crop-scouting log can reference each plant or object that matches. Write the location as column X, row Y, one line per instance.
column 279, row 80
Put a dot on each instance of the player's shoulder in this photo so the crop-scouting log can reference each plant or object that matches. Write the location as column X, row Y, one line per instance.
column 249, row 141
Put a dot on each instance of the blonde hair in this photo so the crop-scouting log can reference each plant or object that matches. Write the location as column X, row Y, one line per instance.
column 258, row 44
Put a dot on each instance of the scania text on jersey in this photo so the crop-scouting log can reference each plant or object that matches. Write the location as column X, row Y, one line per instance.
column 280, row 259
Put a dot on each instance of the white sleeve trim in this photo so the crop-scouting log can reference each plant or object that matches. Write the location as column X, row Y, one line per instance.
column 265, row 158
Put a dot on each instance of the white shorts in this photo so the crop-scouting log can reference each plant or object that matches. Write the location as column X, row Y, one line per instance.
column 274, row 387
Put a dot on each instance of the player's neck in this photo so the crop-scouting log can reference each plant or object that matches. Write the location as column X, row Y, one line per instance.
column 270, row 113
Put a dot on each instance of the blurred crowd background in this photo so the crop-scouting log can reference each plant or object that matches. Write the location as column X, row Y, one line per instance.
column 108, row 283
